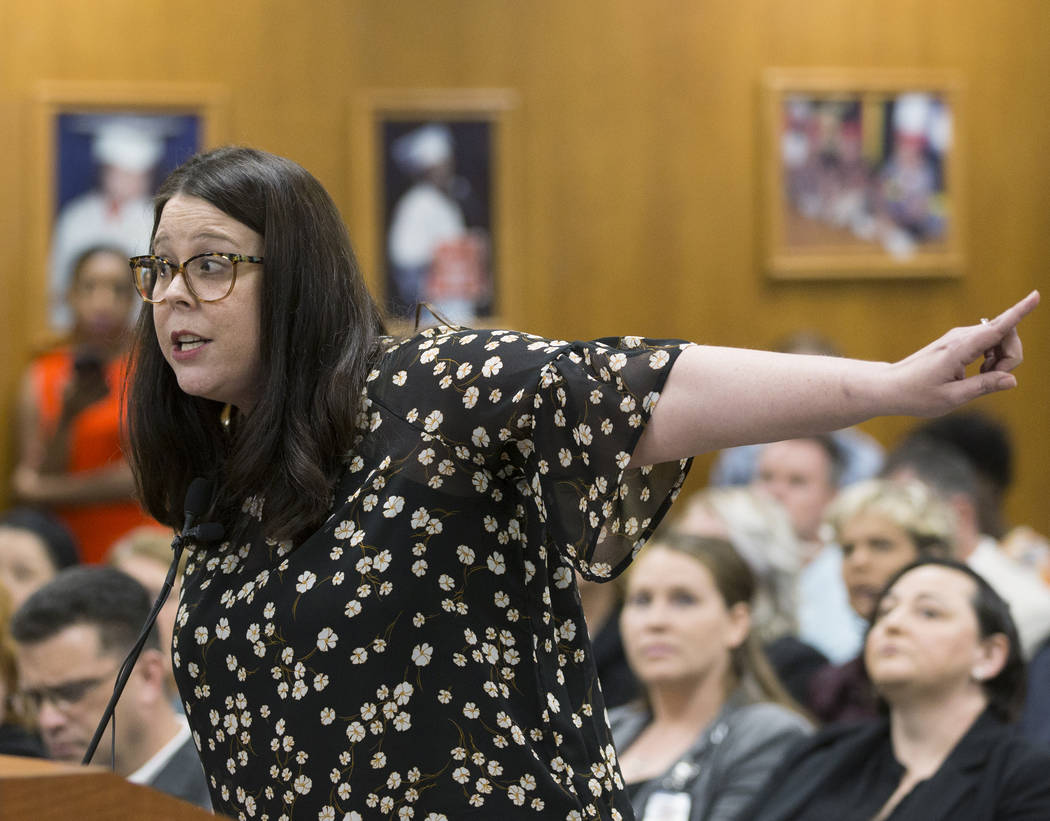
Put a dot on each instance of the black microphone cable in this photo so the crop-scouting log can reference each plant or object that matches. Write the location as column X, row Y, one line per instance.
column 198, row 497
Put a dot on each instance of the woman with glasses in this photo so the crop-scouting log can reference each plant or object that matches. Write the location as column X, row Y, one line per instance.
column 944, row 656
column 390, row 627
column 70, row 445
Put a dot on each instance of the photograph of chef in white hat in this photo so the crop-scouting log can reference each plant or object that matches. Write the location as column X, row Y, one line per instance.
column 107, row 167
column 437, row 179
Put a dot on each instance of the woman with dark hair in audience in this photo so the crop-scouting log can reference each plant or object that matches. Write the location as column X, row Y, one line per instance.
column 70, row 457
column 34, row 546
column 880, row 526
column 943, row 654
column 715, row 721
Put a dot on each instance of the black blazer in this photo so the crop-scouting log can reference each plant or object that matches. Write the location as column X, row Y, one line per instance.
column 991, row 775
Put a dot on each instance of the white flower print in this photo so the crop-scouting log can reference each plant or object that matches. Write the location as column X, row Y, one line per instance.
column 326, row 639
column 497, row 564
column 306, row 581
column 420, row 517
column 421, row 654
column 480, row 437
column 393, row 506
column 659, row 359
column 492, row 366
column 617, row 362
column 355, row 731
column 433, row 421
column 359, row 656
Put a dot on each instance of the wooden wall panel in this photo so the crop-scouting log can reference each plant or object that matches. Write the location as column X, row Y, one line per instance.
column 638, row 179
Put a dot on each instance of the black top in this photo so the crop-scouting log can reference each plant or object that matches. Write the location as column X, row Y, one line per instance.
column 423, row 654
column 848, row 772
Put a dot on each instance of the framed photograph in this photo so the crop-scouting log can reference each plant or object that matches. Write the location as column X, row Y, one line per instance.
column 431, row 218
column 101, row 151
column 862, row 174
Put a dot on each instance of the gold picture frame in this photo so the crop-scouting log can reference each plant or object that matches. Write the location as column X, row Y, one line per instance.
column 863, row 174
column 394, row 134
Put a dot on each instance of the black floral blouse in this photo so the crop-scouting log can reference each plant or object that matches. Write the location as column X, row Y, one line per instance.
column 423, row 655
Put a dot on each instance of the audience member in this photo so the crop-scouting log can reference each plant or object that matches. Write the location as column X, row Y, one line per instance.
column 880, row 526
column 34, row 546
column 985, row 442
column 601, row 604
column 804, row 475
column 949, row 473
column 16, row 722
column 943, row 655
column 72, row 635
column 715, row 720
column 69, row 412
column 861, row 454
column 759, row 529
column 145, row 555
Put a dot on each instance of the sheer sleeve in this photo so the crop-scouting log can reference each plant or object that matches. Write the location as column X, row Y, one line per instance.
column 549, row 420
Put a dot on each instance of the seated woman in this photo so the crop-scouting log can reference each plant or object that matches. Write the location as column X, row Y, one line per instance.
column 715, row 720
column 881, row 526
column 943, row 654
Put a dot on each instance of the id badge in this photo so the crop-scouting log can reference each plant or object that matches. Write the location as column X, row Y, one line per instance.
column 668, row 806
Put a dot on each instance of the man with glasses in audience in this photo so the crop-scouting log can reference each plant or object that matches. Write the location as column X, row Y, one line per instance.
column 72, row 635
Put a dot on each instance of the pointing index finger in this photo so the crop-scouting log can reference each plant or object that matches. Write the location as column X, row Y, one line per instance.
column 1014, row 314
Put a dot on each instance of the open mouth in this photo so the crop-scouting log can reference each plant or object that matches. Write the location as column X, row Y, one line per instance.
column 188, row 342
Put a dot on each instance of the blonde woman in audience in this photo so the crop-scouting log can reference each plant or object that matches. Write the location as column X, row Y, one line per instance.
column 880, row 526
column 715, row 721
column 943, row 654
column 760, row 529
column 145, row 554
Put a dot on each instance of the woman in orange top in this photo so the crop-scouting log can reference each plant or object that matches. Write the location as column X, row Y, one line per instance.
column 69, row 412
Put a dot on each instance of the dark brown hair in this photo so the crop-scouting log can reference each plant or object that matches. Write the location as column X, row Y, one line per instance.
column 319, row 332
column 1006, row 690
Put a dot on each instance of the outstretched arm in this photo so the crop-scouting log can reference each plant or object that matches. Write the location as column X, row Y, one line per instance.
column 719, row 397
